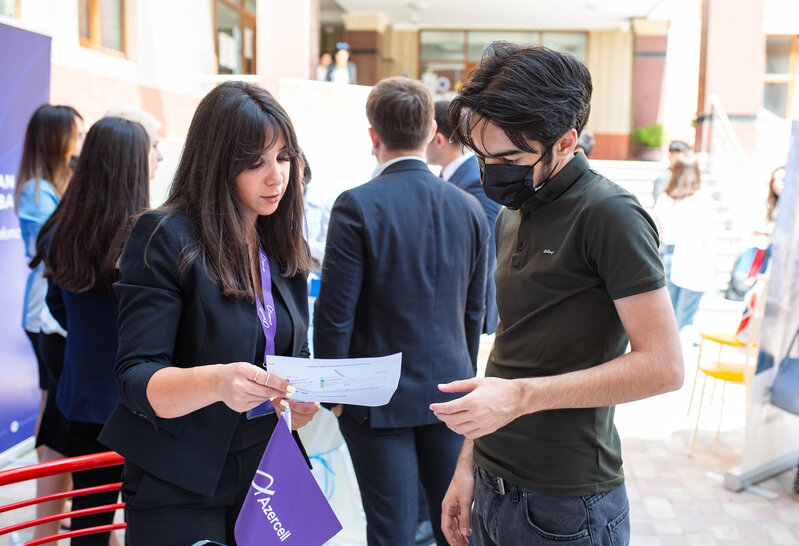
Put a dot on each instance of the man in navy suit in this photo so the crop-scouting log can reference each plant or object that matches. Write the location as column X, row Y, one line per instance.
column 459, row 166
column 404, row 271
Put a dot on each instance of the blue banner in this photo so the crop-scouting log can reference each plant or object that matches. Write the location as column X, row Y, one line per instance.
column 24, row 86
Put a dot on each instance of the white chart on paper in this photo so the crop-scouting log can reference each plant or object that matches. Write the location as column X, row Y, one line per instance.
column 358, row 381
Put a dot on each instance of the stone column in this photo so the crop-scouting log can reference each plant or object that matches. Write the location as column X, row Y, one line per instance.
column 288, row 40
column 364, row 33
column 650, row 38
column 731, row 66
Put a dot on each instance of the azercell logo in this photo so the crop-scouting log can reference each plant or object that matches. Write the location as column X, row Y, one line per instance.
column 263, row 263
column 266, row 507
column 548, row 251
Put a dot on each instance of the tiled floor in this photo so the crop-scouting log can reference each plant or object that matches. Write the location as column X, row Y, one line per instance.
column 676, row 496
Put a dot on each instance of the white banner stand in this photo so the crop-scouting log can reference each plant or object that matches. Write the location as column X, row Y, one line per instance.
column 771, row 443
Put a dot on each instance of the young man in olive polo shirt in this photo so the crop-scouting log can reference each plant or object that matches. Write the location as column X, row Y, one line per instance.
column 578, row 274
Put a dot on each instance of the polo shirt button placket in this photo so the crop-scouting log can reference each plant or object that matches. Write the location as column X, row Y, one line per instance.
column 517, row 258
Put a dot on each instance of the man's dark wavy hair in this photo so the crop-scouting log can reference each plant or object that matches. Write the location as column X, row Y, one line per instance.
column 531, row 93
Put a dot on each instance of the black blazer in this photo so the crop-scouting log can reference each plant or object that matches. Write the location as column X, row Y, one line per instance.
column 405, row 271
column 169, row 319
column 467, row 178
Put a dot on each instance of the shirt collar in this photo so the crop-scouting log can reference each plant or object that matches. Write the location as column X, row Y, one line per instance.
column 558, row 184
column 383, row 166
column 452, row 166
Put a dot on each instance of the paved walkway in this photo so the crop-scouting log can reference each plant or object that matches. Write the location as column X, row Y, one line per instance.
column 676, row 496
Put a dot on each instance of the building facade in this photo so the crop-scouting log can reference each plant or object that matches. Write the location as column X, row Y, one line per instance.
column 661, row 63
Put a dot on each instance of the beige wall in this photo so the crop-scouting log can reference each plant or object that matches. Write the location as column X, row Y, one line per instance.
column 155, row 46
column 780, row 17
column 166, row 69
column 611, row 64
column 386, row 58
column 400, row 52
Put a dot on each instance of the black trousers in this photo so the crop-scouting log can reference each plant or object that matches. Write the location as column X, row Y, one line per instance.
column 44, row 380
column 390, row 463
column 159, row 513
column 50, row 354
column 81, row 439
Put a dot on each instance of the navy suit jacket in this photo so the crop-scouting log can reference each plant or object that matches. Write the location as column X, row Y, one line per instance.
column 405, row 271
column 467, row 178
column 86, row 387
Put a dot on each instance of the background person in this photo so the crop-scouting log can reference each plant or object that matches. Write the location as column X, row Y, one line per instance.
column 54, row 135
column 683, row 214
column 325, row 58
column 150, row 124
column 342, row 70
column 578, row 274
column 585, row 143
column 772, row 201
column 80, row 245
column 459, row 166
column 315, row 220
column 404, row 271
column 677, row 149
column 191, row 344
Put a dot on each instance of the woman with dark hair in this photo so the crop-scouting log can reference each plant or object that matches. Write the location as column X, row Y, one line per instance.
column 80, row 245
column 53, row 136
column 774, row 191
column 209, row 284
column 342, row 69
column 683, row 215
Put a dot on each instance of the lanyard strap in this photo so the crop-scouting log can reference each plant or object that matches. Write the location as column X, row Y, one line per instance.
column 266, row 309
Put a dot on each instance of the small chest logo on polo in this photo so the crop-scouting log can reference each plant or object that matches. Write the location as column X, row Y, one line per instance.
column 548, row 251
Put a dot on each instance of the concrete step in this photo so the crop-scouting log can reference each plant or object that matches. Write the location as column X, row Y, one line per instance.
column 638, row 177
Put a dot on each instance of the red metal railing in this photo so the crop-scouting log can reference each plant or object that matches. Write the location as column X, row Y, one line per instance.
column 62, row 466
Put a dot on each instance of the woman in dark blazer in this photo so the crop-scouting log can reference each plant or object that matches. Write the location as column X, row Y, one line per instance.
column 81, row 243
column 196, row 277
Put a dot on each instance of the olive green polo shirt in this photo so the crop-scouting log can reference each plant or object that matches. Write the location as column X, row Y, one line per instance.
column 578, row 244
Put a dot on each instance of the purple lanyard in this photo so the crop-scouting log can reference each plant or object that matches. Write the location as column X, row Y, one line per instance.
column 266, row 310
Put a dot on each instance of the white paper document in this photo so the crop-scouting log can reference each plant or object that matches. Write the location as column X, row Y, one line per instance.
column 358, row 381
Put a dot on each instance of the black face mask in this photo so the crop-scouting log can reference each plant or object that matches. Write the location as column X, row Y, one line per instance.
column 508, row 185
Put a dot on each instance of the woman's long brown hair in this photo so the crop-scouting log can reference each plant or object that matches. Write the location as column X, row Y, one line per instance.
column 773, row 197
column 49, row 136
column 232, row 127
column 109, row 188
column 685, row 178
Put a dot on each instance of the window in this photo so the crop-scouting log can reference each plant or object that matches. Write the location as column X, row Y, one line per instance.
column 478, row 40
column 235, row 36
column 9, row 8
column 452, row 54
column 568, row 42
column 443, row 45
column 780, row 76
column 101, row 24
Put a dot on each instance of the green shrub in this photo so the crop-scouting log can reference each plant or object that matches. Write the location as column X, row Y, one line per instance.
column 651, row 136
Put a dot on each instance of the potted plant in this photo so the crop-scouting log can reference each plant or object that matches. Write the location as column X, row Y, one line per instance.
column 648, row 141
